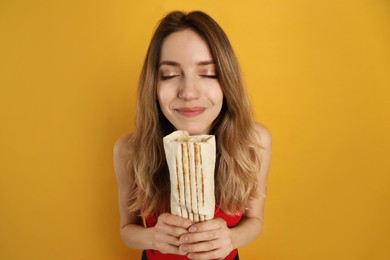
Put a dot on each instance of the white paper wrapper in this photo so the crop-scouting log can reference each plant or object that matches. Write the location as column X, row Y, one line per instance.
column 191, row 162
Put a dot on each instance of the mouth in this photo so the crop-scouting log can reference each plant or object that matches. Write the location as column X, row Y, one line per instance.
column 190, row 111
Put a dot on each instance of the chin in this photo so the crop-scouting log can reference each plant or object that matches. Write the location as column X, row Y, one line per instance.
column 195, row 130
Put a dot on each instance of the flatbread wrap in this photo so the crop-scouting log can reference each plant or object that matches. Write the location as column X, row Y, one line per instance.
column 191, row 163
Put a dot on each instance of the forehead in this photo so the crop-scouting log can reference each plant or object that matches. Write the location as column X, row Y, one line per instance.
column 185, row 46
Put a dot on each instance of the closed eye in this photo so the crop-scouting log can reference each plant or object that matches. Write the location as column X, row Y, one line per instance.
column 209, row 76
column 168, row 77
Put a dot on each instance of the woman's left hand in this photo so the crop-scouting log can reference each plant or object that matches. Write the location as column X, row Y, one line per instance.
column 210, row 239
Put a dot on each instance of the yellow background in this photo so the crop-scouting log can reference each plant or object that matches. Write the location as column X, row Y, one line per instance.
column 318, row 73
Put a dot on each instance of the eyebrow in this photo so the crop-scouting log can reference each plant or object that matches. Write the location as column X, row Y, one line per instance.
column 176, row 64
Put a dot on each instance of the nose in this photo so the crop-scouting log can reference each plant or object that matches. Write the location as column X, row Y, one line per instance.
column 189, row 89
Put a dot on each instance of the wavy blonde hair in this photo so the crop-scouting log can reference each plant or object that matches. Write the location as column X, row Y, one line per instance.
column 238, row 160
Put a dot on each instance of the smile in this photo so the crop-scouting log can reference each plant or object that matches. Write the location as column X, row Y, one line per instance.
column 190, row 112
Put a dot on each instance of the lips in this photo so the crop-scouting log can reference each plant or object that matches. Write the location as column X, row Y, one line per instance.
column 190, row 111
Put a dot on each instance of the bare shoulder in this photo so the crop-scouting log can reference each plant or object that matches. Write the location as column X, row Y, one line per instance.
column 122, row 154
column 264, row 136
column 265, row 143
column 122, row 146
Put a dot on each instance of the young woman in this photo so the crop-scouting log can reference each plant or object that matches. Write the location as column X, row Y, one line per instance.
column 191, row 81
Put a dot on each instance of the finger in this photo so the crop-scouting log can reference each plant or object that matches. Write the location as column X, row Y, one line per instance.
column 166, row 229
column 169, row 249
column 163, row 238
column 207, row 225
column 174, row 220
column 199, row 236
column 199, row 247
column 214, row 254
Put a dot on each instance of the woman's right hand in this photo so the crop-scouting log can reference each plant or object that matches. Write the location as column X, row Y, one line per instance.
column 167, row 232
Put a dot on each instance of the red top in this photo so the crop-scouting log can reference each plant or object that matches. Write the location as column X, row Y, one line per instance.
column 231, row 221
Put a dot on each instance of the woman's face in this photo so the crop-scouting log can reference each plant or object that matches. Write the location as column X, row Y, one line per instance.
column 188, row 89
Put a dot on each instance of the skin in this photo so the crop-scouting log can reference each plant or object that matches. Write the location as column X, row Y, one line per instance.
column 191, row 98
column 188, row 89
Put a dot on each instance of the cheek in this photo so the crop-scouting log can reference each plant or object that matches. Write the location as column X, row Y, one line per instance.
column 216, row 95
column 160, row 95
column 164, row 95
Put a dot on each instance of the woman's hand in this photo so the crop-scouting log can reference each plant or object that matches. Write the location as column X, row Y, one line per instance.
column 210, row 239
column 167, row 232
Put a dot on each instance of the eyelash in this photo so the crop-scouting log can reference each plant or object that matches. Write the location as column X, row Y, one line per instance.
column 204, row 76
column 168, row 77
column 210, row 76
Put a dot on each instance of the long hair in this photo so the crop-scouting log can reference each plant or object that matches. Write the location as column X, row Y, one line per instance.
column 238, row 160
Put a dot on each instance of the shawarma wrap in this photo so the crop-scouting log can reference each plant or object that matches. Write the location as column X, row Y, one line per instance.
column 191, row 163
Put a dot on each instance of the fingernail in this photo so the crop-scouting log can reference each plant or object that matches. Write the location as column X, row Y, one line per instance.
column 189, row 223
column 183, row 248
column 184, row 239
column 192, row 229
